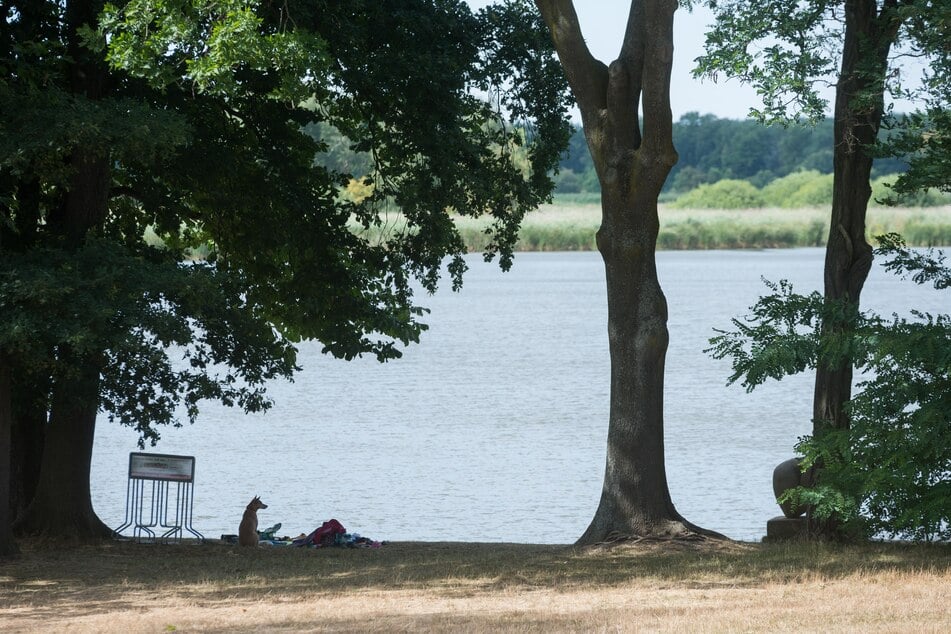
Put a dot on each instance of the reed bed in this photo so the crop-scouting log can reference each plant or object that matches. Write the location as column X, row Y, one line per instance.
column 573, row 228
column 708, row 586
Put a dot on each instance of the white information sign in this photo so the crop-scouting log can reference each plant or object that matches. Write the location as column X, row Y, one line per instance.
column 154, row 466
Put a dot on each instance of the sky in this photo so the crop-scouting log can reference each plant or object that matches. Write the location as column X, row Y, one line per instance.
column 603, row 22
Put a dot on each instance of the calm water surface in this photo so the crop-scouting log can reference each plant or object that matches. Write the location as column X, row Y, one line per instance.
column 494, row 427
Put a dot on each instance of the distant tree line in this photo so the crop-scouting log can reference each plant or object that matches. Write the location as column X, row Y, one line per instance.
column 713, row 149
column 723, row 164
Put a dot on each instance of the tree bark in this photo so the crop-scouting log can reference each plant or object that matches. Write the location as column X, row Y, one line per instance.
column 28, row 393
column 632, row 164
column 29, row 398
column 859, row 107
column 7, row 543
column 62, row 505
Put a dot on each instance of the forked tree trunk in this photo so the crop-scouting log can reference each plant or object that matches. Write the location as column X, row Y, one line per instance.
column 859, row 107
column 632, row 162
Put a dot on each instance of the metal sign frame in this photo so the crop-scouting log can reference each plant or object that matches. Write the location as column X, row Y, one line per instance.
column 163, row 471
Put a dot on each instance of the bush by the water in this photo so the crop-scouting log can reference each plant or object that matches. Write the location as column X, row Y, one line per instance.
column 783, row 192
column 882, row 194
column 725, row 194
column 817, row 192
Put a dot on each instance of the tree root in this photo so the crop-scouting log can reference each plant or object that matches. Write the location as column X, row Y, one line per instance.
column 616, row 537
column 82, row 529
column 671, row 531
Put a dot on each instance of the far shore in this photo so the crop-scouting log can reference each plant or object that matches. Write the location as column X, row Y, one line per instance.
column 710, row 586
column 572, row 227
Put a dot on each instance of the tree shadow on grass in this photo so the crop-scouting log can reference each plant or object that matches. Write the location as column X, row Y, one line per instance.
column 111, row 576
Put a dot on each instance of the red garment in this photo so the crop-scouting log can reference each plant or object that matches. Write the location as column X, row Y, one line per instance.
column 326, row 534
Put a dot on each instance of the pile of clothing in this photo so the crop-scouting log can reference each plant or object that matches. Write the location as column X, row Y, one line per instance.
column 330, row 533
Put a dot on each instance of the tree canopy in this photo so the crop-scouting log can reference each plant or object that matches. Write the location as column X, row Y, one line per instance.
column 200, row 122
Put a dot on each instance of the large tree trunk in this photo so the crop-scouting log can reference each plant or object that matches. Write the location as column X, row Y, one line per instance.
column 7, row 544
column 30, row 395
column 635, row 499
column 632, row 164
column 28, row 398
column 859, row 106
column 62, row 505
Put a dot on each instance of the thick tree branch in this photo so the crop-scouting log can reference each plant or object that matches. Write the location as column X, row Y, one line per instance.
column 587, row 76
column 658, row 124
column 626, row 81
column 623, row 97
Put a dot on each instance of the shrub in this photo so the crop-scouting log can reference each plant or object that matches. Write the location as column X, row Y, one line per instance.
column 882, row 193
column 567, row 182
column 687, row 178
column 358, row 190
column 782, row 191
column 724, row 194
column 817, row 192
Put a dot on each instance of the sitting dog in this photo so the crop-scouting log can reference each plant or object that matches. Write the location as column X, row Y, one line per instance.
column 248, row 529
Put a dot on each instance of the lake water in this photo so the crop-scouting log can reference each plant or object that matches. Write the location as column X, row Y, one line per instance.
column 494, row 427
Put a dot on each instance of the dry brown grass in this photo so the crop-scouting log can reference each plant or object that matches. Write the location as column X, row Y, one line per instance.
column 403, row 587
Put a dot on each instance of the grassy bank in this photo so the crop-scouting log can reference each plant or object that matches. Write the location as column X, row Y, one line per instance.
column 705, row 586
column 572, row 227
